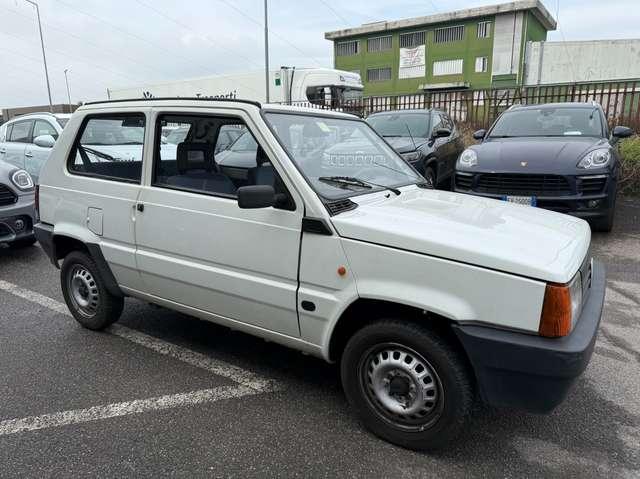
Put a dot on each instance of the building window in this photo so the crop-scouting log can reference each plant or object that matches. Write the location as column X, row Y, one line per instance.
column 346, row 49
column 448, row 34
column 411, row 40
column 447, row 67
column 378, row 74
column 482, row 64
column 484, row 29
column 379, row 44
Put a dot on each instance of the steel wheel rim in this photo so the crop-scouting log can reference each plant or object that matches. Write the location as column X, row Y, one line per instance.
column 83, row 291
column 401, row 386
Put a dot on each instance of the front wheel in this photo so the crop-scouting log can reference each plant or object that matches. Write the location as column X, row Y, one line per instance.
column 430, row 176
column 407, row 384
column 84, row 291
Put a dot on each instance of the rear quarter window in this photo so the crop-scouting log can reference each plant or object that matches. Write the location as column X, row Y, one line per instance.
column 109, row 146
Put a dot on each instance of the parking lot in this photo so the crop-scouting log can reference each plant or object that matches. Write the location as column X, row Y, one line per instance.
column 163, row 393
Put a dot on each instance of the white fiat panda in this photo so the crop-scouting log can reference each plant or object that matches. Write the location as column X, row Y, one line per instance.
column 310, row 231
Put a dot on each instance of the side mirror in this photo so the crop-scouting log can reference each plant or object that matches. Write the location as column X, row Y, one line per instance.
column 622, row 132
column 256, row 196
column 44, row 141
column 442, row 133
column 479, row 135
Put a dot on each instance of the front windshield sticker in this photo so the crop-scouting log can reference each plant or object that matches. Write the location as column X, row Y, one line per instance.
column 323, row 126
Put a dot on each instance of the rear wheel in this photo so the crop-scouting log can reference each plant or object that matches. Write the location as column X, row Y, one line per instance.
column 85, row 294
column 407, row 384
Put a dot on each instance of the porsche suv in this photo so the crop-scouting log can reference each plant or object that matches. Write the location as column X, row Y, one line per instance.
column 558, row 156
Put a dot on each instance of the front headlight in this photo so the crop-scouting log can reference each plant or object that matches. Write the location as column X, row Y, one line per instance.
column 595, row 159
column 468, row 158
column 22, row 180
column 411, row 156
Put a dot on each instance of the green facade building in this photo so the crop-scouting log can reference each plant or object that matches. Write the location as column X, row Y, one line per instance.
column 467, row 49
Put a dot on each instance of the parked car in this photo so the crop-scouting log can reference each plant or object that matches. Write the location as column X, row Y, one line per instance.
column 428, row 139
column 558, row 156
column 26, row 141
column 17, row 207
column 426, row 298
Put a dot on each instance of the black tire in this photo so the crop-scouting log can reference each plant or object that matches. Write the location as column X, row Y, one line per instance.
column 430, row 176
column 102, row 308
column 605, row 225
column 451, row 406
column 23, row 243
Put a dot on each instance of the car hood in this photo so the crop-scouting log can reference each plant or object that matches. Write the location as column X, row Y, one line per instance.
column 403, row 144
column 534, row 155
column 479, row 231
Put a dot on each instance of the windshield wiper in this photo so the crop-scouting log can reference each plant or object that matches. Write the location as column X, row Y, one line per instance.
column 351, row 180
column 97, row 153
column 391, row 136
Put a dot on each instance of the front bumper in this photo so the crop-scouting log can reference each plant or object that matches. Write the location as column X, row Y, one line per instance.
column 17, row 220
column 530, row 372
column 588, row 205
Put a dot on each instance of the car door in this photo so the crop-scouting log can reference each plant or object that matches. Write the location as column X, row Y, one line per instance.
column 36, row 156
column 104, row 176
column 197, row 248
column 439, row 146
column 452, row 143
column 17, row 140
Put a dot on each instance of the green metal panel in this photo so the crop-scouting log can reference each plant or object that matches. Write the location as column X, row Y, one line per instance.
column 468, row 49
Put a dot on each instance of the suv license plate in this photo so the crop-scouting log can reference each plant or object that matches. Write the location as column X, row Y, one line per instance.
column 521, row 200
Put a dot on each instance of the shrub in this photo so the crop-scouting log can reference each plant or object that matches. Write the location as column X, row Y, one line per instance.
column 629, row 183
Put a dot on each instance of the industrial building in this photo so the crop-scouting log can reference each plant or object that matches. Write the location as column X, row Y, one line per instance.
column 473, row 48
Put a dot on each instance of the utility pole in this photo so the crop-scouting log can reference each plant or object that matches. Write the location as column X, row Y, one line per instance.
column 66, row 80
column 266, row 50
column 44, row 58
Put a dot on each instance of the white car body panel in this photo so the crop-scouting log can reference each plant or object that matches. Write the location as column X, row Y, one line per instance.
column 463, row 257
column 526, row 241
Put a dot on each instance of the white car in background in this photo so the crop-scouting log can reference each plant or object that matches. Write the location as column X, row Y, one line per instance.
column 26, row 141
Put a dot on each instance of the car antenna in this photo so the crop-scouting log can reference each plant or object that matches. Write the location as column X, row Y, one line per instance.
column 411, row 136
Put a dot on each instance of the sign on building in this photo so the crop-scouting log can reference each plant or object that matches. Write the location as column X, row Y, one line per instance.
column 412, row 62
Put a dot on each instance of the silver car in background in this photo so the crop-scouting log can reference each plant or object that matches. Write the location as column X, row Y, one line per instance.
column 26, row 141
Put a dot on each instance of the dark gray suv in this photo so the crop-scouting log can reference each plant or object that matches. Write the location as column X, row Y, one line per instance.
column 17, row 206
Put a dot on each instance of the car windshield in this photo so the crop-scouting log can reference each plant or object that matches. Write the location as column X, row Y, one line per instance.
column 112, row 132
column 390, row 125
column 177, row 135
column 340, row 157
column 245, row 142
column 546, row 121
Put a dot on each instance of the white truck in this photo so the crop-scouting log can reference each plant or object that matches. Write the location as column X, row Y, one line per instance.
column 319, row 86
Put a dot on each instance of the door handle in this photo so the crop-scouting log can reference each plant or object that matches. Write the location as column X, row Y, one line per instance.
column 2, row 152
column 140, row 207
column 28, row 154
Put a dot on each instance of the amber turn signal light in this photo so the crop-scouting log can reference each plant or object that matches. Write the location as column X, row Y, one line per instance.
column 555, row 320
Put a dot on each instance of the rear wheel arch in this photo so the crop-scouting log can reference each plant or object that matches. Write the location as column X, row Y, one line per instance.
column 64, row 245
column 365, row 311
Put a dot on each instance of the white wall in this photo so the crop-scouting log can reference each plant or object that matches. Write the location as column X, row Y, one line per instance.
column 566, row 62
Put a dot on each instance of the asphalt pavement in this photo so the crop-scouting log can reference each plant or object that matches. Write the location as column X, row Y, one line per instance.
column 163, row 394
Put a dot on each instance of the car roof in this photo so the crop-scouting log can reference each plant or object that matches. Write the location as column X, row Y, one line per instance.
column 407, row 110
column 209, row 102
column 555, row 105
column 39, row 115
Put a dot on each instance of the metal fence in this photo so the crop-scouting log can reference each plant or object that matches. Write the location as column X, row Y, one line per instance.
column 479, row 108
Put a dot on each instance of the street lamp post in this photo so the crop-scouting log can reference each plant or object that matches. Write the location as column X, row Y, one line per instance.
column 66, row 80
column 44, row 57
column 266, row 50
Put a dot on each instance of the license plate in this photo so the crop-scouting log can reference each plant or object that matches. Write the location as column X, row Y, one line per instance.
column 521, row 200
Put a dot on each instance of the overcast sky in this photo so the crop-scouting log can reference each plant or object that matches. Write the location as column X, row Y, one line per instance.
column 121, row 43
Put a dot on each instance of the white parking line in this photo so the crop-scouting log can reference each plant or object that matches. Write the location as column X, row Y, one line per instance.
column 97, row 413
column 248, row 382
